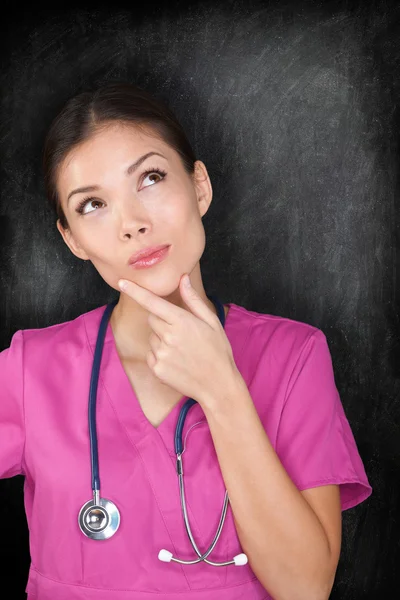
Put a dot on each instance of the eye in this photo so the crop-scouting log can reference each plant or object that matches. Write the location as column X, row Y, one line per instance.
column 159, row 176
column 83, row 203
column 159, row 173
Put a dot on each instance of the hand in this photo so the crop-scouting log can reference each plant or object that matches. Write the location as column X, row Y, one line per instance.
column 189, row 349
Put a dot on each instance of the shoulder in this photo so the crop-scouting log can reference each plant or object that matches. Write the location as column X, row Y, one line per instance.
column 67, row 333
column 272, row 334
column 271, row 352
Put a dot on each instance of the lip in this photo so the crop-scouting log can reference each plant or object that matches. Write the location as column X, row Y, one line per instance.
column 151, row 259
column 146, row 253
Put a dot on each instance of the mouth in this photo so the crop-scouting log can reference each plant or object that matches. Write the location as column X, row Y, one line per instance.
column 146, row 252
column 149, row 257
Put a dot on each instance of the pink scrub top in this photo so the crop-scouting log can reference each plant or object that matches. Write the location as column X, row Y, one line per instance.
column 44, row 388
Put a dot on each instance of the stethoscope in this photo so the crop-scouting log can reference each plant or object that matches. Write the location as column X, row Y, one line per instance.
column 99, row 518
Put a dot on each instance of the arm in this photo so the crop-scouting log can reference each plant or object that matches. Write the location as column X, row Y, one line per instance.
column 286, row 545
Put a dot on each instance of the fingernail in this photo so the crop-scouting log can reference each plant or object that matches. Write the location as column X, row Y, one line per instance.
column 123, row 284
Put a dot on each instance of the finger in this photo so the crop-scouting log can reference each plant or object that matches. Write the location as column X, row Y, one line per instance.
column 159, row 326
column 153, row 303
column 155, row 343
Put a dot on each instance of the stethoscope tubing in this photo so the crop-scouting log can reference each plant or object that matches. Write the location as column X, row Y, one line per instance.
column 94, row 381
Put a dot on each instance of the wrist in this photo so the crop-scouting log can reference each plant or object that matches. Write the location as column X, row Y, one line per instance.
column 226, row 389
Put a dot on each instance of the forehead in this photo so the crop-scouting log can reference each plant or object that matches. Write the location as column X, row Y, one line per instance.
column 108, row 151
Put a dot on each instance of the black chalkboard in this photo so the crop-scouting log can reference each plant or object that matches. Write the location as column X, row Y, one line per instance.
column 293, row 107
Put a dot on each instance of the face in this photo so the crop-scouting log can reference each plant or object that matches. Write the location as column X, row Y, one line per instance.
column 128, row 212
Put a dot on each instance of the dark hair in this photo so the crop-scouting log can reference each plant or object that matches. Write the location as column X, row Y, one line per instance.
column 89, row 111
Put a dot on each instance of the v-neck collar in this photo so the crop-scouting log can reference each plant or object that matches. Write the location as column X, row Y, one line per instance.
column 114, row 382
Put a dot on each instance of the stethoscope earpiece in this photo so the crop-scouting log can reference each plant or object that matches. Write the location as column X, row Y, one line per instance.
column 238, row 560
column 99, row 518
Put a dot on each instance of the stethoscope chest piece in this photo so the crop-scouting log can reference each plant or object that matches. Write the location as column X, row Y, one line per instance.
column 99, row 520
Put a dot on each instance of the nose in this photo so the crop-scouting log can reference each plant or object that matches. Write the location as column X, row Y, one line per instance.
column 132, row 218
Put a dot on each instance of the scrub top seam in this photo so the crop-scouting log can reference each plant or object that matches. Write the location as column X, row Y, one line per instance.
column 193, row 514
column 333, row 478
column 302, row 351
column 286, row 396
column 154, row 594
column 136, row 449
column 163, row 518
column 23, row 471
column 193, row 518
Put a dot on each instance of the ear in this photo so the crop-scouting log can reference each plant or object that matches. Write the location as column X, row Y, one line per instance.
column 70, row 241
column 203, row 187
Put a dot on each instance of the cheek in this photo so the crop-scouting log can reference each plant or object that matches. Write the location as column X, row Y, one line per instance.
column 174, row 210
column 189, row 235
column 97, row 235
column 181, row 220
column 110, row 273
column 103, row 253
column 101, row 249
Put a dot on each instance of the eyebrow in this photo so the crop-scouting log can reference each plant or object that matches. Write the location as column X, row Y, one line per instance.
column 131, row 169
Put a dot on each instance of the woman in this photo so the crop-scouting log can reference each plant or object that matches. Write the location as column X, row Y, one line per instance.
column 268, row 425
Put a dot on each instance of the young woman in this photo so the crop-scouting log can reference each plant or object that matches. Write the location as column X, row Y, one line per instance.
column 109, row 513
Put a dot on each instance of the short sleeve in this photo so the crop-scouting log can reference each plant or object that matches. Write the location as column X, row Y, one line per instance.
column 315, row 442
column 12, row 429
